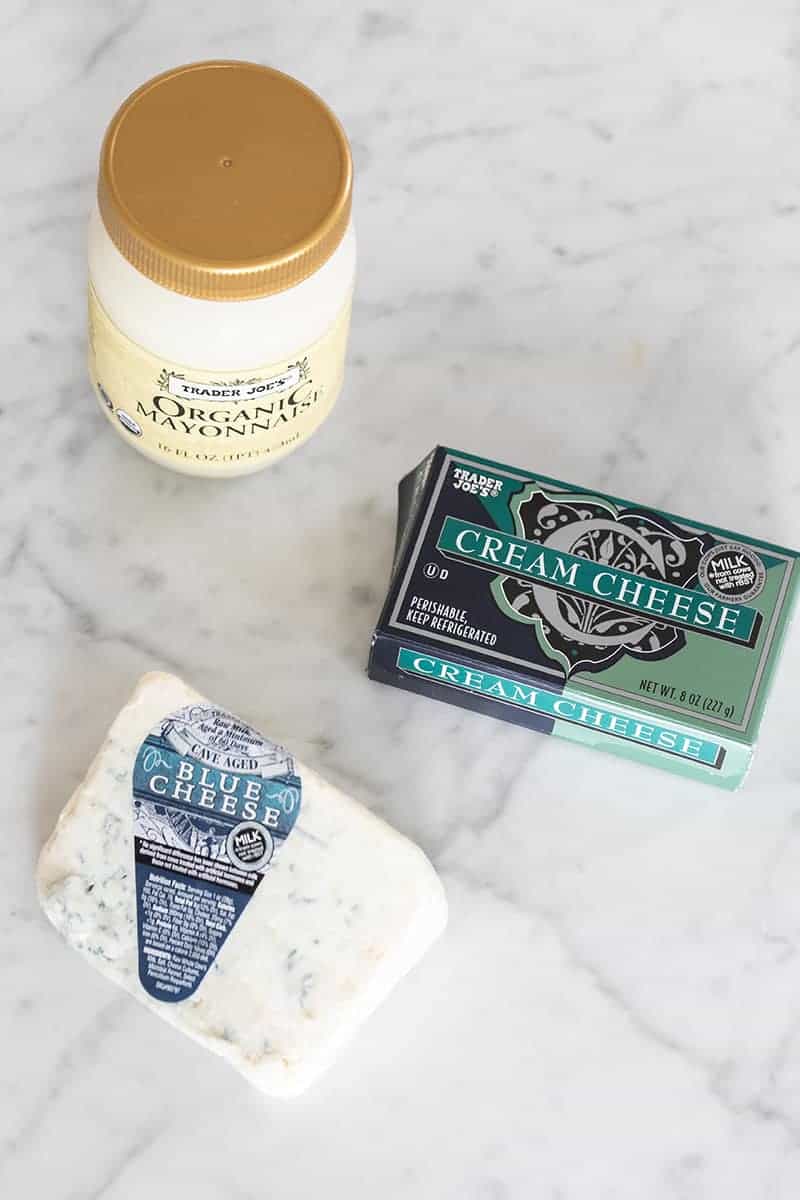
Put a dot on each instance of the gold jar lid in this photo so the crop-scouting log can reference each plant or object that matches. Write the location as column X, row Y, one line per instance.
column 225, row 180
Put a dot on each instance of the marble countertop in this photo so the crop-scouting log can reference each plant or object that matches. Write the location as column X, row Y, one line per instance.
column 579, row 249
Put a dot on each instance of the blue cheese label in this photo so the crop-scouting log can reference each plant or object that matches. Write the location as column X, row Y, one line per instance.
column 213, row 802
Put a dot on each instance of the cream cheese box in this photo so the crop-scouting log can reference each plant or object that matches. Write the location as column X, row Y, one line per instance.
column 582, row 615
column 232, row 890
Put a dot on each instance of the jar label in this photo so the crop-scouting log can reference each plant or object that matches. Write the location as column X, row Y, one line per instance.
column 213, row 422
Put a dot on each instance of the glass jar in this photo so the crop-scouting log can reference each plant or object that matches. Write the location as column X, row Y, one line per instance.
column 221, row 267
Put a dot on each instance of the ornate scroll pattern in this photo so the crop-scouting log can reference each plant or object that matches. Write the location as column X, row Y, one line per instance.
column 588, row 635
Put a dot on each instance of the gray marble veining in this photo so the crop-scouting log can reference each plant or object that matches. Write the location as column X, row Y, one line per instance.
column 579, row 249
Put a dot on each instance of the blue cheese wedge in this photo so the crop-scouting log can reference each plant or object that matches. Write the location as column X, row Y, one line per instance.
column 232, row 890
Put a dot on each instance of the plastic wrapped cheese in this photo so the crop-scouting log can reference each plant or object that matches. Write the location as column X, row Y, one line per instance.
column 232, row 890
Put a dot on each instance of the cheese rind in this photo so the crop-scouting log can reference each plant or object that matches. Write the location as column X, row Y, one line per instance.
column 348, row 909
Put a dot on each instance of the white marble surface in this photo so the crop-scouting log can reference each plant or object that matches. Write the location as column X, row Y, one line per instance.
column 580, row 248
